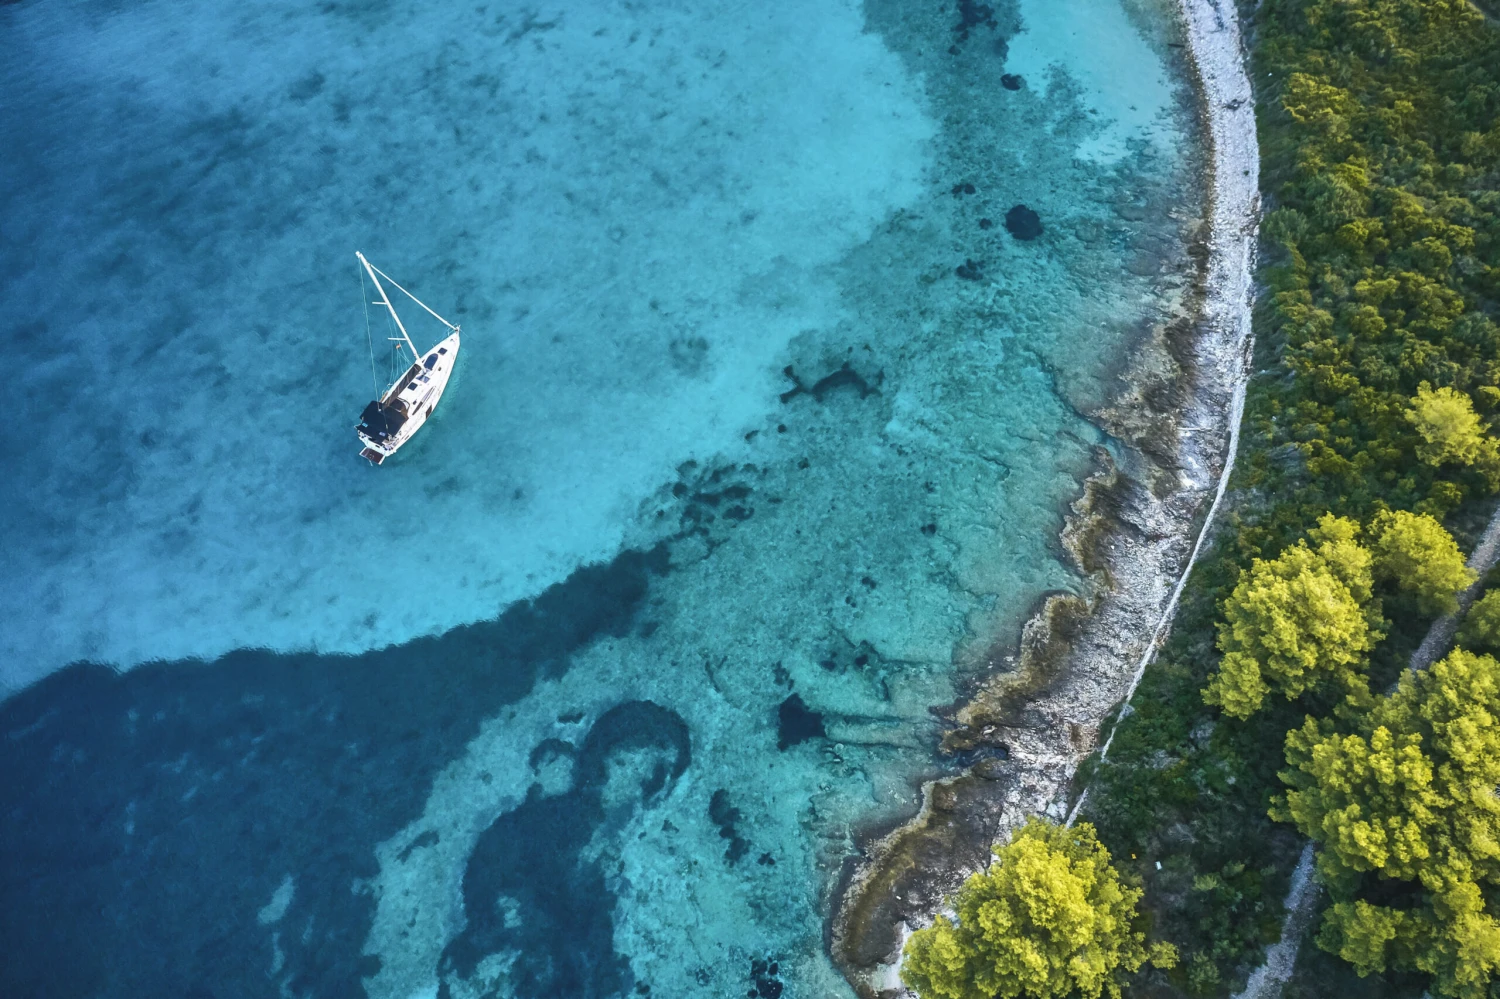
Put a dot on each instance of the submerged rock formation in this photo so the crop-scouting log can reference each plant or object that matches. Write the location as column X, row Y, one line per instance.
column 1023, row 223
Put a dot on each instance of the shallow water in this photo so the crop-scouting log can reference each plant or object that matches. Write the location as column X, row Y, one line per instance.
column 758, row 446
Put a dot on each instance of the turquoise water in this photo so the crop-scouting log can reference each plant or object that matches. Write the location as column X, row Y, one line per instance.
column 757, row 449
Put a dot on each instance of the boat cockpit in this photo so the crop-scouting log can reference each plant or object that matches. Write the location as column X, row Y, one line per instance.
column 379, row 424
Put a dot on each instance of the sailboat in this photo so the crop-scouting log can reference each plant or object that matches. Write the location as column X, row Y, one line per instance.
column 394, row 418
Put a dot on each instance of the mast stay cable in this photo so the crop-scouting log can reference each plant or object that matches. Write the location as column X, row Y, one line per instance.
column 409, row 295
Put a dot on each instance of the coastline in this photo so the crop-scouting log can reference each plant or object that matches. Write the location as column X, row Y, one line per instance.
column 1131, row 534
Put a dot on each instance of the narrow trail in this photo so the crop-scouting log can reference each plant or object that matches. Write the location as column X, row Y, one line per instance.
column 1281, row 956
column 1267, row 981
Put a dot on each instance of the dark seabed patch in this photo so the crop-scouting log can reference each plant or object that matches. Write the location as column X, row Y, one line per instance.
column 1023, row 223
column 796, row 722
column 147, row 817
column 724, row 815
column 529, row 888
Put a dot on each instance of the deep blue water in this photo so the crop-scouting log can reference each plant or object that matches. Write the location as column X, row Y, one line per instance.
column 142, row 810
column 756, row 455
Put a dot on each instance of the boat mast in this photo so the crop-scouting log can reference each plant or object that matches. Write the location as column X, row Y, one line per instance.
column 386, row 301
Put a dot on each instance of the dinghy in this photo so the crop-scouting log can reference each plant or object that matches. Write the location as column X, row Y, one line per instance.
column 394, row 418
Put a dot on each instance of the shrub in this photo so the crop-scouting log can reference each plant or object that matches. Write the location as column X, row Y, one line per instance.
column 1481, row 628
column 1449, row 427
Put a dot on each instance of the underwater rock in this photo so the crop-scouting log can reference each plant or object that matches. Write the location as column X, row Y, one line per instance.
column 304, row 89
column 724, row 815
column 962, row 189
column 1010, row 81
column 796, row 722
column 763, row 976
column 707, row 498
column 845, row 375
column 738, row 491
column 966, row 758
column 1023, row 223
column 689, row 355
column 969, row 270
column 985, row 223
column 971, row 15
column 991, row 769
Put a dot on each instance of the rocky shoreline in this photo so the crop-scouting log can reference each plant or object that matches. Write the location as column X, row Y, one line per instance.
column 1131, row 534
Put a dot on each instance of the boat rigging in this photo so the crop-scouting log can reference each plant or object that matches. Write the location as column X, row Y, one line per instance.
column 393, row 419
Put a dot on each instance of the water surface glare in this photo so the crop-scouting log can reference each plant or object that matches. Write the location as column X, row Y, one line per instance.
column 758, row 443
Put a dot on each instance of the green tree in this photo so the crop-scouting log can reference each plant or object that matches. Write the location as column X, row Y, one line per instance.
column 1449, row 427
column 1296, row 619
column 1413, row 551
column 1050, row 918
column 1481, row 628
column 1409, row 797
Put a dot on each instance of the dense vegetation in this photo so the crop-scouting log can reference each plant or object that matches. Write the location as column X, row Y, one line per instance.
column 1308, row 617
column 1405, row 810
column 1368, row 447
column 1049, row 918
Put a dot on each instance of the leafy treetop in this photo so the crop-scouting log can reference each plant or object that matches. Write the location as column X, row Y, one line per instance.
column 1050, row 918
column 1294, row 620
column 1449, row 427
column 1413, row 551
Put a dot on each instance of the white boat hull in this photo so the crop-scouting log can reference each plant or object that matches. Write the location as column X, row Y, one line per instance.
column 406, row 406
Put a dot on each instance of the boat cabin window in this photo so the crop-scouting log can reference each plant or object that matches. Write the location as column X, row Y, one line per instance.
column 431, row 360
column 442, row 350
